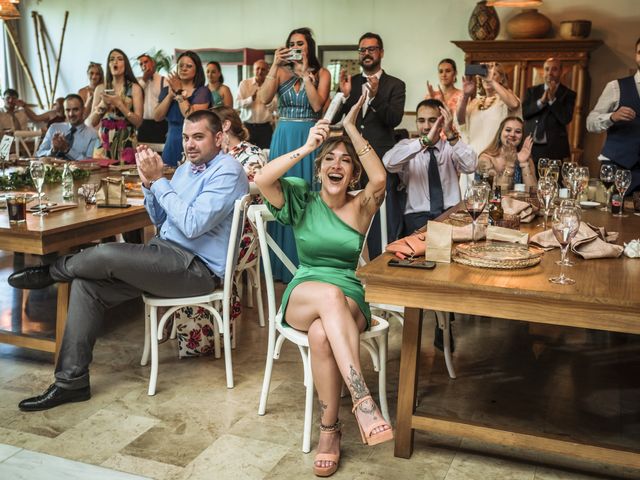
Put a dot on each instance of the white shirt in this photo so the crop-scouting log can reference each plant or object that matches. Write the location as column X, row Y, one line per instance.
column 151, row 92
column 254, row 111
column 599, row 118
column 411, row 160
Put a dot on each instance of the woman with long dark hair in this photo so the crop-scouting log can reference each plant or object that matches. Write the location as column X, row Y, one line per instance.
column 184, row 93
column 302, row 86
column 117, row 109
column 220, row 93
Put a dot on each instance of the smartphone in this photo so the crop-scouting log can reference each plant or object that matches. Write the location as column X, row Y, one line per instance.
column 109, row 91
column 424, row 264
column 295, row 54
column 476, row 69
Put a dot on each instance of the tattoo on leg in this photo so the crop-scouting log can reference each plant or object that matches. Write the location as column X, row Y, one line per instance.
column 356, row 384
column 323, row 408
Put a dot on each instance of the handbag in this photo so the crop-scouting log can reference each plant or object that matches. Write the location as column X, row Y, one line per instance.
column 111, row 192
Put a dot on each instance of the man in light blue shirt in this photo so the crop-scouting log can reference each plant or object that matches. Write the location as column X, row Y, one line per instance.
column 72, row 140
column 194, row 212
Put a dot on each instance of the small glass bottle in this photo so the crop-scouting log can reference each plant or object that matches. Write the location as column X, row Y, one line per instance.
column 616, row 203
column 496, row 212
column 67, row 182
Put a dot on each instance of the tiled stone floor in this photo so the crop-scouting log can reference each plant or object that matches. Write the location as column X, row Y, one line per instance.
column 583, row 385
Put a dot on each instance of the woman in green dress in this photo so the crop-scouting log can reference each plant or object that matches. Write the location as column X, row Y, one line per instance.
column 325, row 298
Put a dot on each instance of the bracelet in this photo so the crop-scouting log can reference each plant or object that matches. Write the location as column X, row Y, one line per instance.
column 270, row 77
column 453, row 137
column 425, row 141
column 366, row 149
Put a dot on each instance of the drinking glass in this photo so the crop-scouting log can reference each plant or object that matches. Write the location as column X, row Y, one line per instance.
column 37, row 171
column 543, row 163
column 566, row 169
column 565, row 225
column 475, row 199
column 579, row 178
column 622, row 179
column 553, row 172
column 569, row 203
column 547, row 191
column 607, row 176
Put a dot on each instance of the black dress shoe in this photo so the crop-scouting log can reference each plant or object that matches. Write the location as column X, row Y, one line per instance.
column 53, row 397
column 32, row 277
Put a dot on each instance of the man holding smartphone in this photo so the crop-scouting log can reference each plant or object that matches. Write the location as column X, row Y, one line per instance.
column 381, row 113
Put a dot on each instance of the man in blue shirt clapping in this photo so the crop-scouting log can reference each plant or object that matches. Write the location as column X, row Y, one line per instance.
column 193, row 211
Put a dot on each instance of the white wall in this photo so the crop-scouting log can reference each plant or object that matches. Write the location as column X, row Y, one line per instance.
column 416, row 33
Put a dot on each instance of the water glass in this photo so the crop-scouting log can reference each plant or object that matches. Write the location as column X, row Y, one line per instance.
column 17, row 208
column 565, row 226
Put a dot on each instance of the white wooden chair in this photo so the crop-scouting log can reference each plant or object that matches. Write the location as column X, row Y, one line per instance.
column 23, row 138
column 373, row 340
column 214, row 302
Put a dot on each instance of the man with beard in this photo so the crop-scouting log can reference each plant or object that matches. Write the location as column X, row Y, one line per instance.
column 618, row 113
column 151, row 83
column 193, row 212
column 72, row 139
column 256, row 115
column 381, row 113
column 547, row 110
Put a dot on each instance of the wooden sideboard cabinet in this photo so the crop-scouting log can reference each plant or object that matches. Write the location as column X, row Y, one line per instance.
column 523, row 60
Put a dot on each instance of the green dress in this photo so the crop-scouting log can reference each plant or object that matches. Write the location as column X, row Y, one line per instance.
column 328, row 248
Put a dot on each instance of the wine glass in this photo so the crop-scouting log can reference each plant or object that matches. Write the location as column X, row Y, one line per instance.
column 475, row 199
column 565, row 225
column 622, row 179
column 579, row 178
column 37, row 171
column 566, row 170
column 553, row 172
column 543, row 163
column 547, row 191
column 607, row 176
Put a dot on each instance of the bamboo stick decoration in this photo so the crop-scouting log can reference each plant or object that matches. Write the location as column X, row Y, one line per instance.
column 64, row 29
column 46, row 57
column 24, row 65
column 36, row 27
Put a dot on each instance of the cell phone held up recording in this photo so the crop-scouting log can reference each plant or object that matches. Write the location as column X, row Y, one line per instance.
column 295, row 54
column 476, row 69
column 109, row 91
column 423, row 264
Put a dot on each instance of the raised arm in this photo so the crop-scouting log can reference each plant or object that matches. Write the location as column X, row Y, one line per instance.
column 468, row 92
column 507, row 96
column 268, row 178
column 373, row 194
column 98, row 108
column 270, row 86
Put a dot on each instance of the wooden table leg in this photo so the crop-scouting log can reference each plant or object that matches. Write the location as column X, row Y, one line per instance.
column 407, row 387
column 61, row 315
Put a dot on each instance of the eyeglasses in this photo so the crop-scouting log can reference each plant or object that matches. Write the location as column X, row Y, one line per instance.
column 368, row 49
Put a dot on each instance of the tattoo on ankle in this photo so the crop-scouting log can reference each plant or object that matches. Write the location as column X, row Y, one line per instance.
column 356, row 384
column 323, row 408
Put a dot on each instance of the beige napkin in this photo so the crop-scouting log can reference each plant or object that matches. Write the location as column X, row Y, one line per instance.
column 438, row 242
column 463, row 234
column 525, row 210
column 502, row 234
column 587, row 243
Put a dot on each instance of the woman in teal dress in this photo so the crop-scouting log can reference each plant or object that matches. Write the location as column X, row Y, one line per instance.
column 325, row 298
column 220, row 93
column 303, row 89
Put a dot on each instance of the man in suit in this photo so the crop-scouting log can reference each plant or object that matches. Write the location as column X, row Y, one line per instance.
column 381, row 113
column 547, row 110
column 617, row 112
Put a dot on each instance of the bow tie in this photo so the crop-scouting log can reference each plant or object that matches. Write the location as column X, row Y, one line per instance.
column 198, row 168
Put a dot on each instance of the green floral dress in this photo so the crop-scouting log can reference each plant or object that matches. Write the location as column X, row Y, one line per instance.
column 328, row 248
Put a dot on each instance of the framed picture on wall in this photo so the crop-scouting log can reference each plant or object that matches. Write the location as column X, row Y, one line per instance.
column 336, row 58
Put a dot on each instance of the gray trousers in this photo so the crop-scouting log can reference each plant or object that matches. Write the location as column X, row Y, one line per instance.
column 108, row 274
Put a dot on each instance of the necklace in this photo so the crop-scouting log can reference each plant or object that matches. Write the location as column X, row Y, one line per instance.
column 485, row 103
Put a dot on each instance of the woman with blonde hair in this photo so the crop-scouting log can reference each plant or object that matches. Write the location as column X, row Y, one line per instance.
column 96, row 77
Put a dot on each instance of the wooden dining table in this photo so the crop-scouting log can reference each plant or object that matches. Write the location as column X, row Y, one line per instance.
column 61, row 232
column 604, row 297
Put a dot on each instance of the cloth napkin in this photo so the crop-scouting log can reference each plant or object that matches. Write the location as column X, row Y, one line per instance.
column 513, row 206
column 590, row 242
column 502, row 234
column 463, row 234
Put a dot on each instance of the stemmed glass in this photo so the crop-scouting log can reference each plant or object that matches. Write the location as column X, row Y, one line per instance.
column 579, row 180
column 607, row 176
column 553, row 172
column 622, row 179
column 565, row 225
column 567, row 168
column 547, row 191
column 37, row 171
column 543, row 164
column 475, row 199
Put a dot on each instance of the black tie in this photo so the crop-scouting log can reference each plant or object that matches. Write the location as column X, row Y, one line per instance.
column 435, row 185
column 69, row 136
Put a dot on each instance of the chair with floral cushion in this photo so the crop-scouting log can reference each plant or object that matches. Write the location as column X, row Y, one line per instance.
column 373, row 340
column 218, row 303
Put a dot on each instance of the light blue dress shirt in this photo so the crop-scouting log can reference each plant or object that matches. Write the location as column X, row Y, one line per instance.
column 195, row 210
column 85, row 140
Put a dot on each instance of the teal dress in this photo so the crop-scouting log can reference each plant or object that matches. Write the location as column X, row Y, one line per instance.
column 328, row 248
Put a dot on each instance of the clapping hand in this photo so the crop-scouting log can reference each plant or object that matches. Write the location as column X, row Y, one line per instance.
column 373, row 84
column 525, row 152
column 149, row 164
column 345, row 83
column 59, row 143
column 350, row 117
column 468, row 86
column 318, row 134
column 447, row 122
column 173, row 80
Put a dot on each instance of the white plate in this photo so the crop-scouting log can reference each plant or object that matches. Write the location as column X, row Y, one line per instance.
column 587, row 204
